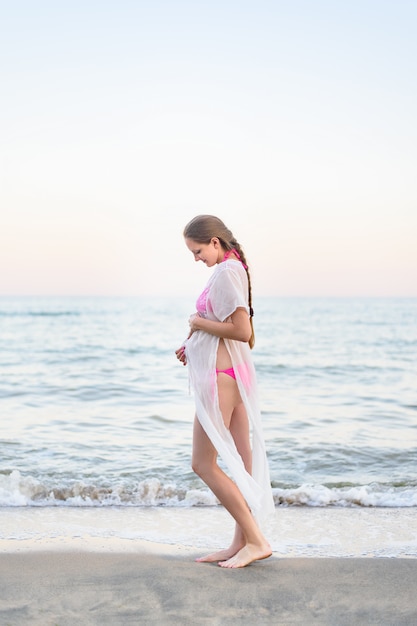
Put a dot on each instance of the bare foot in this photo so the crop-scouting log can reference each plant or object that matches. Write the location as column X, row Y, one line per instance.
column 248, row 554
column 222, row 555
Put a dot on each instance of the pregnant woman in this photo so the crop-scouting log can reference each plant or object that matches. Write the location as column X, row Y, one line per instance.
column 228, row 420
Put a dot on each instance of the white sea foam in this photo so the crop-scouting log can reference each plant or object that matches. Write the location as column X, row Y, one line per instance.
column 373, row 495
column 17, row 490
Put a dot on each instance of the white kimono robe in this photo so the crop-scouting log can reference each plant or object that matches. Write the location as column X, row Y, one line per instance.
column 227, row 290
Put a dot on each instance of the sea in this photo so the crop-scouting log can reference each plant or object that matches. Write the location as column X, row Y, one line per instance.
column 96, row 411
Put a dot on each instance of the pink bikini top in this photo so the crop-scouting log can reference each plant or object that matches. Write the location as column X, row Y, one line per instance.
column 201, row 304
column 237, row 255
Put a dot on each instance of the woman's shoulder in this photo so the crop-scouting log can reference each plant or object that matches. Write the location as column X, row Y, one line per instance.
column 230, row 266
column 229, row 272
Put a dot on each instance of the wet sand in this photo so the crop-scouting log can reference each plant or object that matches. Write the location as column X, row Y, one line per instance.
column 168, row 587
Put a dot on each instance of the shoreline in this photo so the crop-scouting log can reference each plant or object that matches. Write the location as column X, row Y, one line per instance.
column 65, row 567
column 293, row 532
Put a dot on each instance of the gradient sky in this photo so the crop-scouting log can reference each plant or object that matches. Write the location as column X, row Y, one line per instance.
column 295, row 122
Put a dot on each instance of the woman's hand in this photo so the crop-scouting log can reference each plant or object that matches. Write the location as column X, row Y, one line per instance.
column 181, row 356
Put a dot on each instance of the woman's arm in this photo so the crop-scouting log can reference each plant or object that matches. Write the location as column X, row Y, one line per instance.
column 238, row 328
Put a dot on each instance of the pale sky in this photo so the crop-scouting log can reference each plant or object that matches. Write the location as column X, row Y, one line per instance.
column 294, row 122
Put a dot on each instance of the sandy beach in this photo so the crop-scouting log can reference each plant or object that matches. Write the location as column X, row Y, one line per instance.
column 49, row 588
column 65, row 567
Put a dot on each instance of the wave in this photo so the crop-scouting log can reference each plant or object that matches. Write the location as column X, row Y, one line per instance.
column 20, row 491
column 373, row 495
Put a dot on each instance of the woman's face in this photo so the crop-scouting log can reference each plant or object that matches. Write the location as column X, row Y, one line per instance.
column 210, row 253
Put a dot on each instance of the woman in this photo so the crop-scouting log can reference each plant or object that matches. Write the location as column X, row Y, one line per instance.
column 223, row 379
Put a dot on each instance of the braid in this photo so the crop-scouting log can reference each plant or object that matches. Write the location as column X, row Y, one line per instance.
column 235, row 244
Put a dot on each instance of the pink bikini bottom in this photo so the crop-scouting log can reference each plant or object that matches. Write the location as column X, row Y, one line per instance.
column 230, row 372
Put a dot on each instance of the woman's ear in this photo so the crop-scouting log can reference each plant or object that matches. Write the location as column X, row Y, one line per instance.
column 216, row 242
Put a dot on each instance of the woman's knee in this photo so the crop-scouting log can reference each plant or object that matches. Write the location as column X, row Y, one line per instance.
column 202, row 466
column 197, row 466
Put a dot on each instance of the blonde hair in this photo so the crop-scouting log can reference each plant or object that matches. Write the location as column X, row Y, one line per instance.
column 202, row 229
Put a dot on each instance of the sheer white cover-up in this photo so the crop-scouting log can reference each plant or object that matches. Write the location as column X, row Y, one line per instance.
column 226, row 291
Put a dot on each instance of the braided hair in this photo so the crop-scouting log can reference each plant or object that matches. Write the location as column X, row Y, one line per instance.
column 202, row 229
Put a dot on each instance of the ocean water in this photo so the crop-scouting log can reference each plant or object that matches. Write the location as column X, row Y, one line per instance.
column 95, row 410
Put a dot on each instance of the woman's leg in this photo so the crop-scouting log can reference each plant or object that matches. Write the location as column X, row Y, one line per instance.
column 236, row 419
column 239, row 428
column 205, row 465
